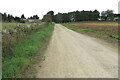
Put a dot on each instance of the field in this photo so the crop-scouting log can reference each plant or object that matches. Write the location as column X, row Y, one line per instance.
column 107, row 31
column 20, row 43
column 13, row 25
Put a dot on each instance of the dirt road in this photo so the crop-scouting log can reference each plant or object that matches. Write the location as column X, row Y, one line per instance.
column 73, row 55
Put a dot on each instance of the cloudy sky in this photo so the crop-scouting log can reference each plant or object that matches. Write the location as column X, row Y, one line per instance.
column 41, row 7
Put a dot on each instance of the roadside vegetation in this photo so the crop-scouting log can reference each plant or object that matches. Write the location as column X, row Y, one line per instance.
column 8, row 25
column 20, row 44
column 99, row 29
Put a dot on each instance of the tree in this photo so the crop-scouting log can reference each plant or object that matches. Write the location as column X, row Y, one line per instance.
column 96, row 15
column 103, row 15
column 9, row 18
column 73, row 17
column 107, row 15
column 51, row 15
column 17, row 19
column 30, row 17
column 22, row 16
column 35, row 17
column 47, row 18
column 66, row 17
column 58, row 18
column 77, row 16
column 4, row 17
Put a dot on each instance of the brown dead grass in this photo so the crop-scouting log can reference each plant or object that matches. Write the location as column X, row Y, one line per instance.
column 98, row 23
column 105, row 27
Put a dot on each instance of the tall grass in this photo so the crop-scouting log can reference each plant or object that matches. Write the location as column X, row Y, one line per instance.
column 13, row 25
column 23, row 51
column 12, row 35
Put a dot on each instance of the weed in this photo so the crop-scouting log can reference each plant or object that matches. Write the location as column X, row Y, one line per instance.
column 114, row 36
column 23, row 51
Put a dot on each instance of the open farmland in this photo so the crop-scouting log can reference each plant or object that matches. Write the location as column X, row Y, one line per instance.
column 106, row 27
column 107, row 31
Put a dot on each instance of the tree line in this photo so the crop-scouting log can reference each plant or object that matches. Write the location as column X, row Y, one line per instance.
column 74, row 16
column 77, row 16
column 10, row 18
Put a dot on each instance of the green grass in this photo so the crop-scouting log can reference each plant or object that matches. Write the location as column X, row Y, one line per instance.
column 9, row 40
column 79, row 29
column 116, row 36
column 12, row 25
column 8, row 25
column 23, row 51
column 87, row 30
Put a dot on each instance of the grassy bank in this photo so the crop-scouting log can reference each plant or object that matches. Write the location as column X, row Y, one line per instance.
column 78, row 29
column 11, row 36
column 116, row 36
column 24, row 50
column 109, row 29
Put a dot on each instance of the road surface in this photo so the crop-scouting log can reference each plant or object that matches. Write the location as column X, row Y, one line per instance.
column 74, row 55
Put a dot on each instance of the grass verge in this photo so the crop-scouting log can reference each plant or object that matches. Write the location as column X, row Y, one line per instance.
column 30, row 71
column 23, row 51
column 115, row 36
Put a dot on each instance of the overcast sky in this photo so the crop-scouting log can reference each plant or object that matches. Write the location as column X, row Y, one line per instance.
column 41, row 7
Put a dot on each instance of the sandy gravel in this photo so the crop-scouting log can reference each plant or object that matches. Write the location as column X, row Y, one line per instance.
column 73, row 55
